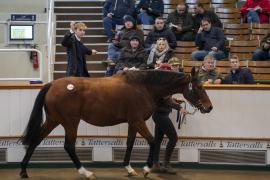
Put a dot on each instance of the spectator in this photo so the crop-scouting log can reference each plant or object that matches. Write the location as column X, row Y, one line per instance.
column 149, row 10
column 181, row 23
column 207, row 73
column 238, row 75
column 263, row 53
column 255, row 11
column 175, row 63
column 113, row 13
column 160, row 53
column 160, row 30
column 77, row 62
column 133, row 56
column 210, row 40
column 122, row 38
column 164, row 126
column 201, row 13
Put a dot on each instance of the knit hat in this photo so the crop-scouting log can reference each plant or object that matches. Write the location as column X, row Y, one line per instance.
column 128, row 18
column 174, row 61
column 134, row 37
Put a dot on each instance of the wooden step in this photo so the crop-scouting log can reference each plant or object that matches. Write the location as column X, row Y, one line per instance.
column 77, row 10
column 89, row 24
column 97, row 57
column 91, row 67
column 87, row 39
column 88, row 31
column 57, row 75
column 78, row 3
column 102, row 48
column 79, row 17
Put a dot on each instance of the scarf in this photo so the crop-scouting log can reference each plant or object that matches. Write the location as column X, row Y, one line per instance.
column 159, row 56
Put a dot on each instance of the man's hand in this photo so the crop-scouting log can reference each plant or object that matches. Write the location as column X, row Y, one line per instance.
column 214, row 49
column 110, row 15
column 200, row 29
column 184, row 111
column 94, row 52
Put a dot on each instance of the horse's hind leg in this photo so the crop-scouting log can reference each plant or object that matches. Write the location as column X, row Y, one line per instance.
column 70, row 140
column 46, row 128
column 144, row 131
column 130, row 142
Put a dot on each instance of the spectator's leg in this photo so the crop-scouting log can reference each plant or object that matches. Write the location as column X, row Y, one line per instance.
column 113, row 52
column 217, row 55
column 145, row 18
column 108, row 25
column 253, row 17
column 260, row 54
column 198, row 55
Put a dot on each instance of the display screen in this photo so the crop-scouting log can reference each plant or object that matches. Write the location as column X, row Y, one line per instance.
column 21, row 32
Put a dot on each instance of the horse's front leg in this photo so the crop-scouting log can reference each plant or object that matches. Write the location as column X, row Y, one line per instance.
column 144, row 132
column 130, row 142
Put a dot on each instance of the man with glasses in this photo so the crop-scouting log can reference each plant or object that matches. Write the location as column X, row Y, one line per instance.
column 210, row 40
column 160, row 31
column 181, row 23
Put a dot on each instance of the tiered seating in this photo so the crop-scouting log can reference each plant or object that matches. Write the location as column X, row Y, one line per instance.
column 192, row 3
column 228, row 15
column 260, row 70
column 184, row 49
column 243, row 49
column 259, row 31
column 223, row 3
column 237, row 31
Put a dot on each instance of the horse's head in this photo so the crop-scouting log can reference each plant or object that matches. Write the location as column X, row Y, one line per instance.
column 196, row 94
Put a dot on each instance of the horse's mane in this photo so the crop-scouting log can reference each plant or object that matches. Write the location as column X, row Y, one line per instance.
column 152, row 76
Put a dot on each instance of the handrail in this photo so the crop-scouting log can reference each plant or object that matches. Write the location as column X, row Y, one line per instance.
column 23, row 79
column 50, row 39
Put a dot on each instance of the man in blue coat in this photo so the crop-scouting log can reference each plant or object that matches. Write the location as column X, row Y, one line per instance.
column 113, row 13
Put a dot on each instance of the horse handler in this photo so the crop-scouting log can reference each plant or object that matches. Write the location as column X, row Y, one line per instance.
column 164, row 126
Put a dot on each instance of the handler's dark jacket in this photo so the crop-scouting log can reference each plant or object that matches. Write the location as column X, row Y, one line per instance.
column 76, row 52
column 240, row 76
column 165, row 105
column 155, row 34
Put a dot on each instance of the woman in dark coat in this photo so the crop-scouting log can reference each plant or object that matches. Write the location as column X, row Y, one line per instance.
column 77, row 61
column 133, row 56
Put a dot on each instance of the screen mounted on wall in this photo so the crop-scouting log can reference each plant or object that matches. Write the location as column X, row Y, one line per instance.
column 21, row 32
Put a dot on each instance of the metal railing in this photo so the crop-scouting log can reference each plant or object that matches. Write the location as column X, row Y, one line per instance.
column 25, row 79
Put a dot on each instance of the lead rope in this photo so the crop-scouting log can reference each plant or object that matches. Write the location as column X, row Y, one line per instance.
column 180, row 119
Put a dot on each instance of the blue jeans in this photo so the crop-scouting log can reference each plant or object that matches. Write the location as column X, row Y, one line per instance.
column 260, row 54
column 199, row 55
column 109, row 24
column 253, row 17
column 146, row 19
column 113, row 52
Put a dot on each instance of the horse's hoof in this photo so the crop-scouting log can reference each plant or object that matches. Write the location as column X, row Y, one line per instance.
column 146, row 171
column 92, row 176
column 132, row 173
column 24, row 175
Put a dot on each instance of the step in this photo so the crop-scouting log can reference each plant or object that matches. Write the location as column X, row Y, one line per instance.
column 77, row 9
column 89, row 24
column 102, row 48
column 78, row 3
column 79, row 17
column 63, row 57
column 88, row 31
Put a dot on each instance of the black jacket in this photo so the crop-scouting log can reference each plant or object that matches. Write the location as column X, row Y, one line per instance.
column 240, row 76
column 157, row 7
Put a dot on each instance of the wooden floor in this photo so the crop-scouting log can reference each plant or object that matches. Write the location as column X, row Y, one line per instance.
column 120, row 174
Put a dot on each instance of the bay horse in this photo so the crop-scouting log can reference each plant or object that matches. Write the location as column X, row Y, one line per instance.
column 127, row 97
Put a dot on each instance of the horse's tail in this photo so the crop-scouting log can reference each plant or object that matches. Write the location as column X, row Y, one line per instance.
column 33, row 128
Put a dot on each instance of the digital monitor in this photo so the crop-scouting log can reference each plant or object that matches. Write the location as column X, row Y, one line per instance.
column 21, row 32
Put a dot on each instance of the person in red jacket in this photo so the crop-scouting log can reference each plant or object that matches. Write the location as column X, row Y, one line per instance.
column 255, row 11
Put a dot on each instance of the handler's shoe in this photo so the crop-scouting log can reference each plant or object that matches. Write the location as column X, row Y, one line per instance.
column 156, row 168
column 168, row 169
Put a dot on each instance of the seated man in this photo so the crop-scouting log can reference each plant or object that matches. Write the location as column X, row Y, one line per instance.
column 113, row 13
column 263, row 53
column 160, row 31
column 207, row 73
column 237, row 74
column 210, row 40
column 255, row 11
column 201, row 13
column 149, row 10
column 181, row 23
